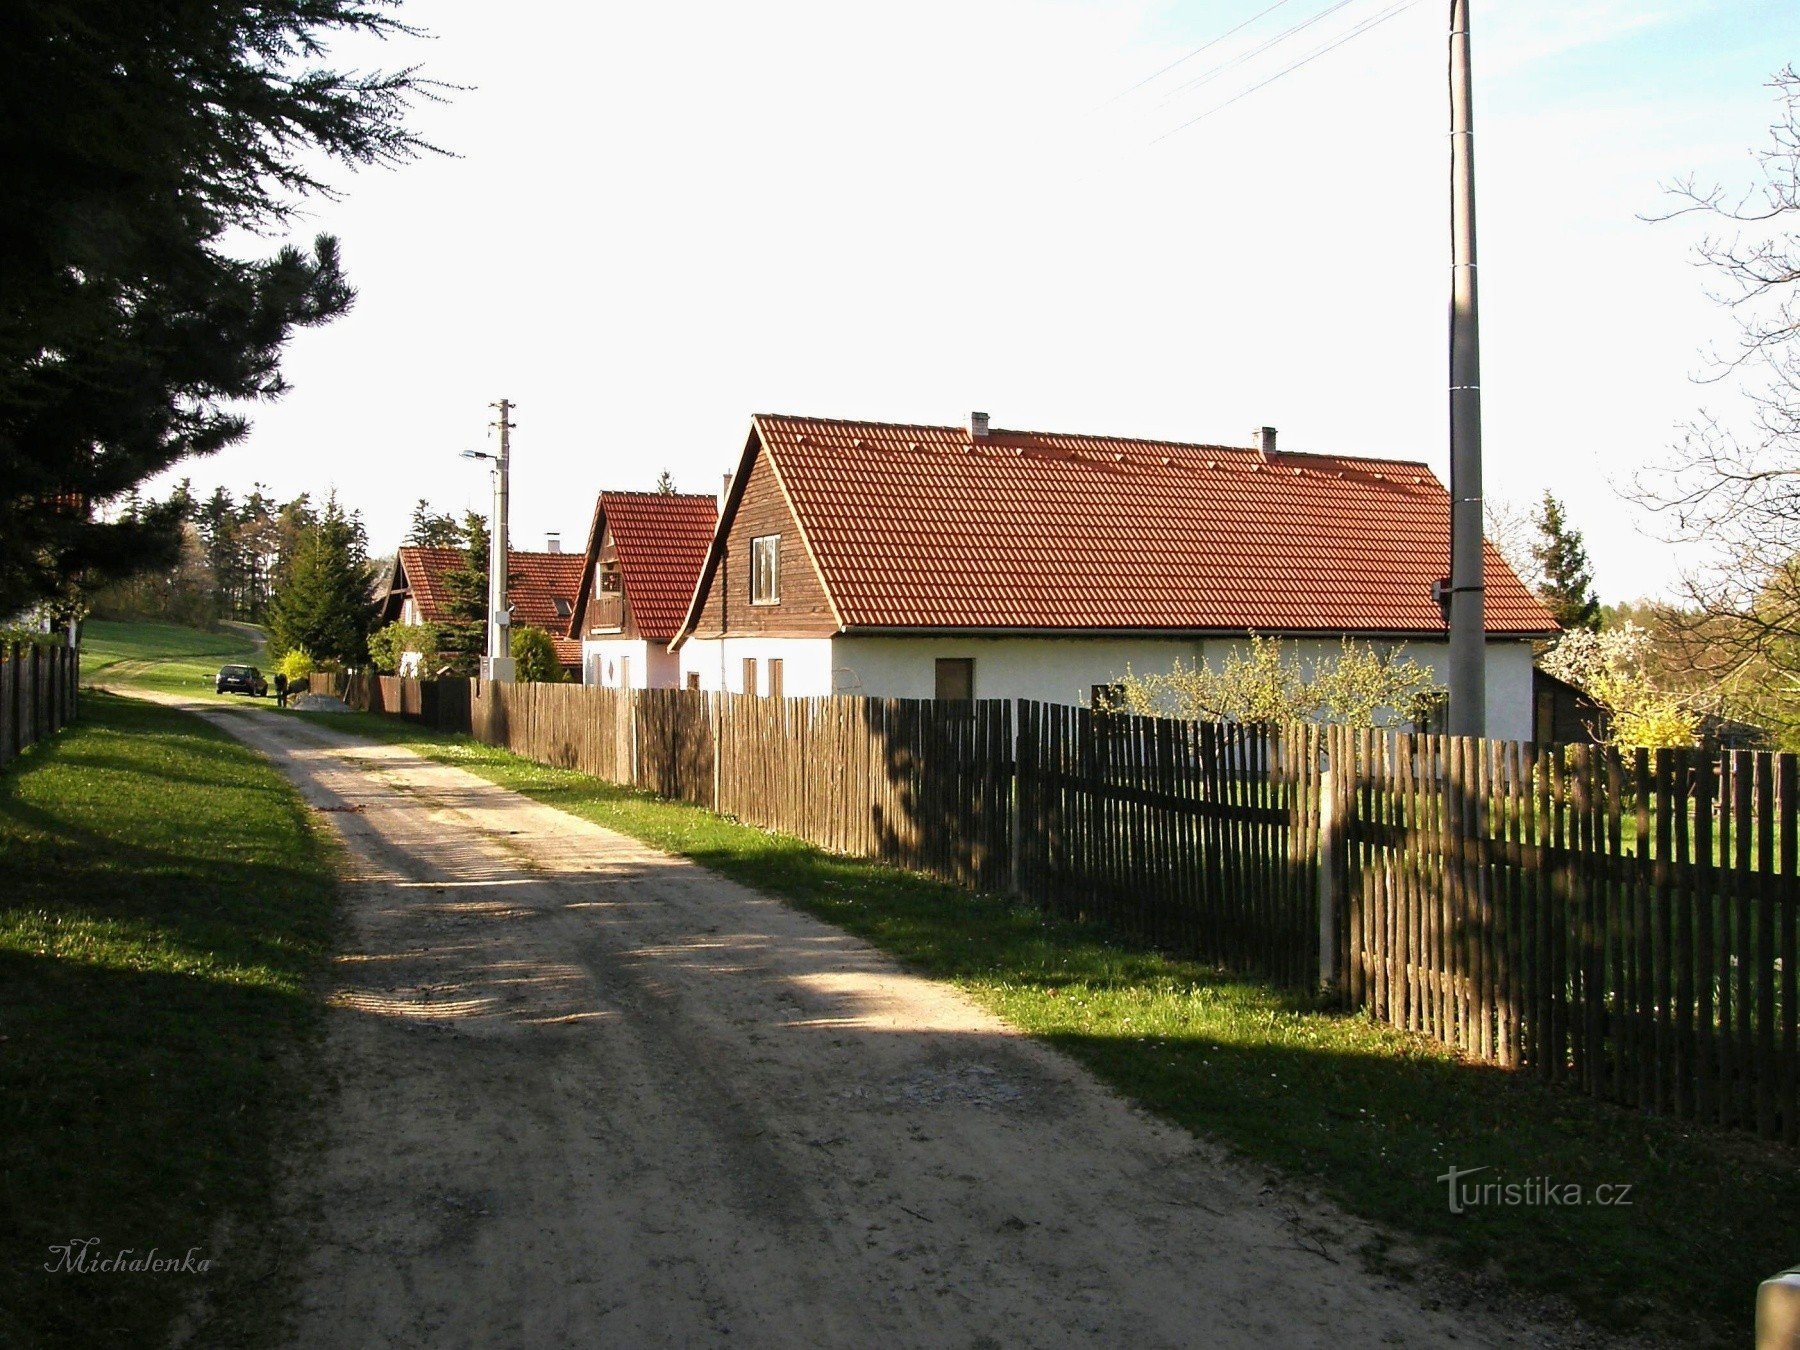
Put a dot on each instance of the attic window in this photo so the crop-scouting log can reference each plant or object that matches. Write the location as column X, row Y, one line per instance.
column 563, row 608
column 765, row 570
column 609, row 578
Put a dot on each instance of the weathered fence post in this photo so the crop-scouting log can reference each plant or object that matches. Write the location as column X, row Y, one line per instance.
column 1015, row 799
column 1331, row 883
column 37, row 694
column 8, row 702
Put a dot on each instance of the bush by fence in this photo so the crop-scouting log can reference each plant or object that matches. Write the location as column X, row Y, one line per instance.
column 1625, row 926
column 38, row 695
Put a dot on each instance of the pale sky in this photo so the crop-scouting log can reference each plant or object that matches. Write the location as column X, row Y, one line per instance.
column 663, row 218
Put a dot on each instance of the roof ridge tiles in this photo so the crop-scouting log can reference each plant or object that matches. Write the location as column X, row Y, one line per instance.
column 999, row 434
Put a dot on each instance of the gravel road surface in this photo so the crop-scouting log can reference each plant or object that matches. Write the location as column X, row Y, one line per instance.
column 585, row 1093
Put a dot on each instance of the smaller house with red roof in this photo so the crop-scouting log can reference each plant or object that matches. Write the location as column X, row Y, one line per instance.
column 540, row 590
column 951, row 562
column 644, row 555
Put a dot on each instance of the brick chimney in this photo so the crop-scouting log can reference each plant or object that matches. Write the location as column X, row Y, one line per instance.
column 1264, row 440
column 978, row 426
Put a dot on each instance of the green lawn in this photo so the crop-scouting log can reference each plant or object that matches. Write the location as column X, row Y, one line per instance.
column 168, row 904
column 164, row 657
column 1369, row 1116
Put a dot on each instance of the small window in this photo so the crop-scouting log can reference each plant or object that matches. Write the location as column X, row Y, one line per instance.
column 765, row 570
column 955, row 679
column 693, row 679
column 609, row 578
column 563, row 608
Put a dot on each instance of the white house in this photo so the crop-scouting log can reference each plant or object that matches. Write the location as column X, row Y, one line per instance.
column 950, row 562
column 643, row 557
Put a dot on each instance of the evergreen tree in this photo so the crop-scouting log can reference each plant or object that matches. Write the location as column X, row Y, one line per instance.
column 1568, row 578
column 217, row 520
column 324, row 604
column 429, row 529
column 462, row 636
column 665, row 483
column 143, row 144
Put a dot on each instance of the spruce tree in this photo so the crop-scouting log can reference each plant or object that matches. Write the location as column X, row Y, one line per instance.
column 1568, row 579
column 324, row 604
column 431, row 529
column 462, row 634
column 147, row 146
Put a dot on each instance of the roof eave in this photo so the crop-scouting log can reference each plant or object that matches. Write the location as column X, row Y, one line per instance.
column 727, row 510
column 1384, row 634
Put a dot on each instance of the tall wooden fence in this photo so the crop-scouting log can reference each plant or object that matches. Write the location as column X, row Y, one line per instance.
column 1626, row 926
column 921, row 785
column 1202, row 837
column 38, row 695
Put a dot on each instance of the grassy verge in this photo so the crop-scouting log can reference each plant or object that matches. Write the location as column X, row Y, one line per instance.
column 164, row 657
column 167, row 903
column 1366, row 1115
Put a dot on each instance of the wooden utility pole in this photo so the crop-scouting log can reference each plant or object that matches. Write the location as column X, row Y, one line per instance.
column 1468, row 634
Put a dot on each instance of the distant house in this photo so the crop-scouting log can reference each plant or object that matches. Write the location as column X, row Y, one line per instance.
column 540, row 588
column 953, row 562
column 1564, row 715
column 643, row 556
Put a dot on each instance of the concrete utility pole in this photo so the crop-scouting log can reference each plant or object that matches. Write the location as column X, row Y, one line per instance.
column 1468, row 634
column 498, row 663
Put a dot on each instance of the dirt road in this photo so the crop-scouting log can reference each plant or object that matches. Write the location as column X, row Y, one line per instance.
column 589, row 1094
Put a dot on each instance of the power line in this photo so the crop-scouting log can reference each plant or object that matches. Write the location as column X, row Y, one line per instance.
column 1208, row 76
column 1203, row 47
column 1356, row 32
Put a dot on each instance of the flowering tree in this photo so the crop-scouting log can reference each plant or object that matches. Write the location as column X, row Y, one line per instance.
column 1611, row 668
column 1263, row 684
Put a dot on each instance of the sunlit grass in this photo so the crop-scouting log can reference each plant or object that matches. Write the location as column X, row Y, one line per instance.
column 161, row 656
column 1367, row 1115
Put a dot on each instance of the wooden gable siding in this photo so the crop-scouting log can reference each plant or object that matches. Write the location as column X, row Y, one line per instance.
column 608, row 552
column 803, row 610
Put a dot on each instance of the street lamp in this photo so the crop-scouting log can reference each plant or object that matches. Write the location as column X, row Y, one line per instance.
column 498, row 663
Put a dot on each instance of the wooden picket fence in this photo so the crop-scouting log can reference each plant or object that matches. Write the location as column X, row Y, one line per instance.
column 1625, row 926
column 442, row 704
column 1201, row 837
column 39, row 695
column 922, row 785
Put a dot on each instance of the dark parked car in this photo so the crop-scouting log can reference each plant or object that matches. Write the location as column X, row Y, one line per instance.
column 240, row 680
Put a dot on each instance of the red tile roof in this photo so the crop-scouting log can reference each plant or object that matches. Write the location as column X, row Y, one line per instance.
column 919, row 527
column 534, row 583
column 662, row 539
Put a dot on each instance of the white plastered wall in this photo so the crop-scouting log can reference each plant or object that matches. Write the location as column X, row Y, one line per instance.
column 1065, row 670
column 806, row 664
column 643, row 665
